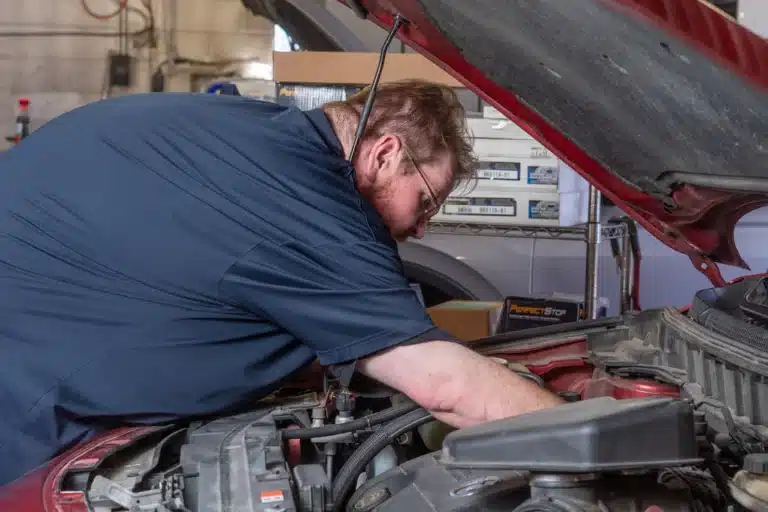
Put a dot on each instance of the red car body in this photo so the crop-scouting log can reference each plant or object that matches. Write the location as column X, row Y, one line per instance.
column 700, row 226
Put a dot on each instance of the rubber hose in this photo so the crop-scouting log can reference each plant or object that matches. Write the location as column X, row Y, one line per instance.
column 347, row 476
column 350, row 426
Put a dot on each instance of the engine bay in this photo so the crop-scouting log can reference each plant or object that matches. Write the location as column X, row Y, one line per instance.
column 665, row 413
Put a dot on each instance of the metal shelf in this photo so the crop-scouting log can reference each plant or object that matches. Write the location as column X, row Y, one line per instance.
column 578, row 233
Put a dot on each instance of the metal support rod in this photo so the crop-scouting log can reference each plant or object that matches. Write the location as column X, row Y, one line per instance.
column 593, row 251
column 626, row 274
column 360, row 132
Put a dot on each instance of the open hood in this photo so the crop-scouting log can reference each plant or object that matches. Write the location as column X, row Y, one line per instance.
column 661, row 104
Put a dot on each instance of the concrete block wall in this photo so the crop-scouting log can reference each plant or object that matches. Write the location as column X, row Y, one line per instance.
column 59, row 73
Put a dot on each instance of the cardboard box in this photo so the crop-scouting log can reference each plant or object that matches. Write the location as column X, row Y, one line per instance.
column 528, row 312
column 467, row 320
column 520, row 148
column 514, row 173
column 490, row 112
column 307, row 97
column 354, row 68
column 505, row 206
column 482, row 128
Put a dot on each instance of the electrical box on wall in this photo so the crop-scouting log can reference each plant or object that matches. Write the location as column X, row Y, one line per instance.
column 120, row 70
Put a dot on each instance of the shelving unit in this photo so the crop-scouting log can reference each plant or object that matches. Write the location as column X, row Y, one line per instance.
column 591, row 233
column 578, row 233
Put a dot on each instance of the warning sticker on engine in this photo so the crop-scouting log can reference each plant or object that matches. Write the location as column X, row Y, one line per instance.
column 501, row 206
column 506, row 171
column 542, row 175
column 544, row 210
column 272, row 496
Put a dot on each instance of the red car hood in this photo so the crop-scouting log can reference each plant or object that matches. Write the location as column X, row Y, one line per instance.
column 661, row 104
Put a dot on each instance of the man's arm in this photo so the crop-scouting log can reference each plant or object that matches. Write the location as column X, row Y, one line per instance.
column 348, row 301
column 459, row 386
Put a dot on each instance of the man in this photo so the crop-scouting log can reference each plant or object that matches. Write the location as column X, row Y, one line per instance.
column 179, row 255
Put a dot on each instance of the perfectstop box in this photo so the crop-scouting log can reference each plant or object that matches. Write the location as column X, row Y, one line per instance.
column 528, row 312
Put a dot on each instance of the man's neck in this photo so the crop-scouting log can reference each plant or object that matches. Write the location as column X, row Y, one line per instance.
column 343, row 125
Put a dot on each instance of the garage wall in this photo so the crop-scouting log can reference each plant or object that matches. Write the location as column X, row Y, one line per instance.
column 753, row 14
column 59, row 73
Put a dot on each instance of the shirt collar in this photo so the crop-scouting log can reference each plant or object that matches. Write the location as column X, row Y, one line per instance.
column 324, row 128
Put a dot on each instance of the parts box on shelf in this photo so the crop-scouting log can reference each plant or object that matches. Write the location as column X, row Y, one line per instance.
column 354, row 68
column 466, row 319
column 519, row 148
column 514, row 173
column 484, row 128
column 490, row 112
column 537, row 173
column 527, row 312
column 306, row 80
column 307, row 97
column 498, row 206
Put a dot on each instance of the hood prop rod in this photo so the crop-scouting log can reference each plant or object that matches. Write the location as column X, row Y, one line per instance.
column 399, row 20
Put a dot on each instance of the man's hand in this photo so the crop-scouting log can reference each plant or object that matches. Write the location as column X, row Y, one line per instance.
column 459, row 386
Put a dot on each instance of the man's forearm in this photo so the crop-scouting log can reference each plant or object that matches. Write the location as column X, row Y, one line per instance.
column 459, row 386
column 483, row 390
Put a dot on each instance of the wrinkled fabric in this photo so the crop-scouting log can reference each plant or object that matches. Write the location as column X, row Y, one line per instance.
column 165, row 256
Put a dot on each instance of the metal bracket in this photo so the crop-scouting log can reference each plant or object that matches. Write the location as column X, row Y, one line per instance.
column 661, row 189
column 709, row 268
column 107, row 495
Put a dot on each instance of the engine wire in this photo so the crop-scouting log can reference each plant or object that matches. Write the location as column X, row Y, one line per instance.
column 699, row 485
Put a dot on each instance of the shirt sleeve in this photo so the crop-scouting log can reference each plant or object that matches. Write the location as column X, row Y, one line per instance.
column 345, row 301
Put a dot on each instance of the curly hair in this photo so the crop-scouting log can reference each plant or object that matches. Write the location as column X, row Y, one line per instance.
column 428, row 117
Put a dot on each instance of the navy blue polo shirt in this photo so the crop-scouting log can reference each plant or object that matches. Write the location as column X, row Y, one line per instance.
column 176, row 255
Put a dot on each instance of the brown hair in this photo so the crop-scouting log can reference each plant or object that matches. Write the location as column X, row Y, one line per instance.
column 428, row 117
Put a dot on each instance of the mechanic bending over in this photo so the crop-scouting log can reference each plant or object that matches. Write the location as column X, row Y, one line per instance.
column 175, row 255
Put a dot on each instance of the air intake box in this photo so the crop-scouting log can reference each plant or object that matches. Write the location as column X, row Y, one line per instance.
column 597, row 435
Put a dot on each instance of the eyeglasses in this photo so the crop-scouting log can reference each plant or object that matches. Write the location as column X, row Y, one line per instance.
column 430, row 203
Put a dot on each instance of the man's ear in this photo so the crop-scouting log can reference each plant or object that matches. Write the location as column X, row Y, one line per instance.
column 385, row 155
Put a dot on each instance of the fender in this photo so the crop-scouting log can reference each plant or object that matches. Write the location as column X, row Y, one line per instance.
column 428, row 266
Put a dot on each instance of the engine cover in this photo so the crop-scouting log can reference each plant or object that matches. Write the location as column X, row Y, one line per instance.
column 592, row 436
column 426, row 485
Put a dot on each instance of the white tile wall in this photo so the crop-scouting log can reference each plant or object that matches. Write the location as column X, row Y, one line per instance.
column 60, row 68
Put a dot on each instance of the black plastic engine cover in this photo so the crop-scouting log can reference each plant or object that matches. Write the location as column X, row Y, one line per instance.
column 425, row 485
column 597, row 435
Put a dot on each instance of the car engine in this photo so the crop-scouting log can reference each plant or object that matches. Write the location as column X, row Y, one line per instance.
column 600, row 454
column 665, row 413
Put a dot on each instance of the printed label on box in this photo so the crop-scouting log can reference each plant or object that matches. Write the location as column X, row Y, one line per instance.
column 307, row 97
column 507, row 171
column 495, row 206
column 539, row 152
column 545, row 210
column 542, row 175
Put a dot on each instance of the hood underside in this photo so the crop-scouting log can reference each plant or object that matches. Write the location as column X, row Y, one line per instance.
column 661, row 104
